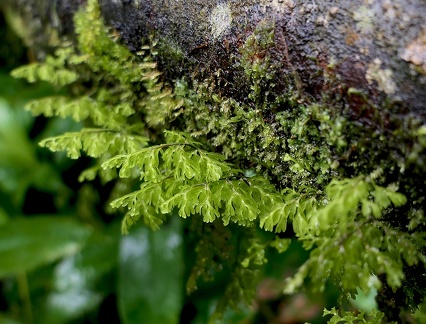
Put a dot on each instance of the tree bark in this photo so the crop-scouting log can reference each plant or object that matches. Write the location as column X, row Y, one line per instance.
column 365, row 59
column 377, row 47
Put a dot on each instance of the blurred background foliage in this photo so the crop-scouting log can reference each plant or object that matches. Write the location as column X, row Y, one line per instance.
column 63, row 259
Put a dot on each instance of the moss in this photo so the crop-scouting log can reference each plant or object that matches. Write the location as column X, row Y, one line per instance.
column 294, row 139
column 297, row 140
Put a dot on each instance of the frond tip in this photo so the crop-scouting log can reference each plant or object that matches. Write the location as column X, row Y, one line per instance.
column 95, row 142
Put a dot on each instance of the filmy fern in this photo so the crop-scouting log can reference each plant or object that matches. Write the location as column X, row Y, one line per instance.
column 126, row 107
column 338, row 229
column 179, row 174
column 374, row 317
column 52, row 70
column 96, row 142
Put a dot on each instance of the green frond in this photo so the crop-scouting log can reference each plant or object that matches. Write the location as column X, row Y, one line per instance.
column 78, row 109
column 181, row 138
column 339, row 229
column 231, row 200
column 194, row 199
column 181, row 161
column 294, row 206
column 160, row 104
column 95, row 142
column 345, row 198
column 44, row 72
column 280, row 244
column 255, row 255
column 195, row 164
column 150, row 217
column 350, row 256
column 373, row 317
column 147, row 160
column 142, row 204
column 90, row 174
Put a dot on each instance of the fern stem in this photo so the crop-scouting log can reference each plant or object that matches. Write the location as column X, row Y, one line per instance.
column 24, row 294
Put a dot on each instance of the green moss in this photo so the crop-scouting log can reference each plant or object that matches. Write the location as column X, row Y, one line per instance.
column 339, row 173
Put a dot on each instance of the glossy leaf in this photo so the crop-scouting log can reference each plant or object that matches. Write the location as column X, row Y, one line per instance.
column 79, row 283
column 27, row 243
column 150, row 286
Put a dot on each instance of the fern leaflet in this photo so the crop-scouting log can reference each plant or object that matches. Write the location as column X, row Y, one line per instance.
column 95, row 142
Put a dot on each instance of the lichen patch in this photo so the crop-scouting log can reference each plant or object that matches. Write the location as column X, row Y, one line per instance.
column 383, row 77
column 280, row 5
column 220, row 20
column 364, row 18
column 415, row 52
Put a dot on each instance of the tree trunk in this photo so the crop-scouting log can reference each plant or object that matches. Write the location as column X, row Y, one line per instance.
column 363, row 60
column 377, row 47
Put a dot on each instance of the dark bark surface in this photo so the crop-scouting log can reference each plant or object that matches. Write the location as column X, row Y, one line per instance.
column 377, row 47
column 366, row 58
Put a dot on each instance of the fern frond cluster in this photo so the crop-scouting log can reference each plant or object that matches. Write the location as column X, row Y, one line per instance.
column 338, row 228
column 125, row 109
column 180, row 174
column 374, row 317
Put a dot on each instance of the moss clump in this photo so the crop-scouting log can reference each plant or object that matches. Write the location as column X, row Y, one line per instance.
column 301, row 142
column 339, row 186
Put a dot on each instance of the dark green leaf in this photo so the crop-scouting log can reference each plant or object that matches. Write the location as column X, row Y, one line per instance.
column 31, row 242
column 150, row 283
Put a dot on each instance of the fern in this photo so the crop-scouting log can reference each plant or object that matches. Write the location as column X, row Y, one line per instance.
column 141, row 203
column 78, row 109
column 293, row 206
column 374, row 317
column 95, row 142
column 345, row 197
column 339, row 229
column 125, row 107
column 194, row 181
column 52, row 70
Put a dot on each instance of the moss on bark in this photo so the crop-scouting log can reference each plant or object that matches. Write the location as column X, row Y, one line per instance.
column 302, row 92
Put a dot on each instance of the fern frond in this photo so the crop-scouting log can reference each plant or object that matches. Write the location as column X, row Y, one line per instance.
column 345, row 198
column 52, row 70
column 195, row 164
column 373, row 317
column 173, row 159
column 90, row 174
column 44, row 72
column 101, row 53
column 95, row 142
column 352, row 255
column 194, row 199
column 293, row 206
column 150, row 217
column 143, row 203
column 78, row 109
column 339, row 228
column 181, row 138
column 147, row 160
column 231, row 200
column 160, row 103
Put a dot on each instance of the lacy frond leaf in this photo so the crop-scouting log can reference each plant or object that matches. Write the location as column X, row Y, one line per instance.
column 345, row 198
column 95, row 142
column 142, row 204
column 231, row 200
column 78, row 109
column 373, row 317
column 53, row 70
column 182, row 161
column 293, row 206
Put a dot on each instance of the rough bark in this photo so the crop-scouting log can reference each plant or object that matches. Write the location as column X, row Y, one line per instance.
column 377, row 47
column 366, row 58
